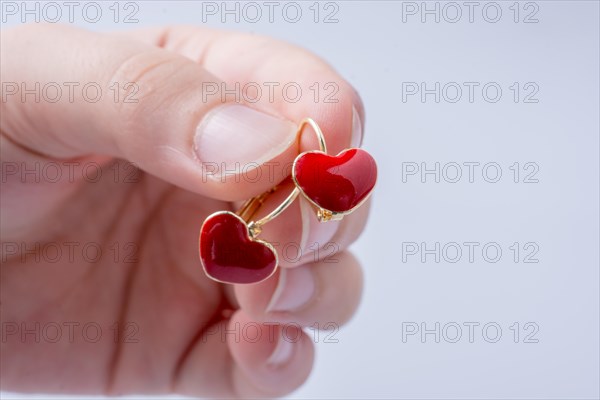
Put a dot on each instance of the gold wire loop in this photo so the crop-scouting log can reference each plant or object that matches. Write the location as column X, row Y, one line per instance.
column 317, row 129
column 251, row 206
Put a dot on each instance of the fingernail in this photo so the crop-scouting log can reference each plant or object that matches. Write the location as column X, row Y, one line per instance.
column 295, row 288
column 233, row 136
column 356, row 139
column 315, row 234
column 284, row 349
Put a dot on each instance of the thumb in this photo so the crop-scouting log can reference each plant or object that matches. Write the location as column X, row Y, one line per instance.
column 71, row 93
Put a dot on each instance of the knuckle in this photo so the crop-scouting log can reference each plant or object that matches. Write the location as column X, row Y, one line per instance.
column 143, row 78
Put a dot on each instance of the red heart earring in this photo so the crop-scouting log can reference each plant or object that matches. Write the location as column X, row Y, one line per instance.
column 230, row 251
column 335, row 185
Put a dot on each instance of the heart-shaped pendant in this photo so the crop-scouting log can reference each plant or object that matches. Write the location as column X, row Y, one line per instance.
column 230, row 255
column 335, row 184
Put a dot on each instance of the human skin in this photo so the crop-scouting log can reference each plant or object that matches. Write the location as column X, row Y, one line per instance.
column 157, row 294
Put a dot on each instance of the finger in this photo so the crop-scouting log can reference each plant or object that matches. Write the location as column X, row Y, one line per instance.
column 351, row 227
column 275, row 364
column 169, row 91
column 247, row 359
column 162, row 119
column 323, row 293
column 275, row 68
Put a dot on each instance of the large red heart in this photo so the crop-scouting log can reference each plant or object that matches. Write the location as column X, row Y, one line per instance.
column 336, row 183
column 229, row 255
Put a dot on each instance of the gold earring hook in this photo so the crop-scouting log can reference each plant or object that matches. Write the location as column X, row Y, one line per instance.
column 316, row 129
column 251, row 206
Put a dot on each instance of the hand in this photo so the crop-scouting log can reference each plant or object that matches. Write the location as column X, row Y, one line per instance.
column 102, row 288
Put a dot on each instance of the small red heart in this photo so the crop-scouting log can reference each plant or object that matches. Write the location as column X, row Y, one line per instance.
column 230, row 255
column 336, row 183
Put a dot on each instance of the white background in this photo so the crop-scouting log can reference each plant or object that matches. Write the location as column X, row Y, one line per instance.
column 377, row 51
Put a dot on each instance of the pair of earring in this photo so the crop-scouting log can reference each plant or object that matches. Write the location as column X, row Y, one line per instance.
column 230, row 251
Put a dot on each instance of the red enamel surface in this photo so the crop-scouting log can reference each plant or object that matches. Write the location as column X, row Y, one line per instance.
column 229, row 255
column 336, row 183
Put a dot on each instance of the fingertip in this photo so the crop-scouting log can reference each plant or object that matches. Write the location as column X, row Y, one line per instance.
column 271, row 359
column 326, row 292
column 253, row 299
